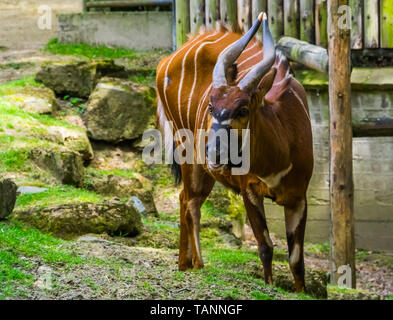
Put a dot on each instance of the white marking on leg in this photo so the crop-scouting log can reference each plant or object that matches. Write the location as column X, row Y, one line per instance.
column 294, row 216
column 274, row 179
column 295, row 255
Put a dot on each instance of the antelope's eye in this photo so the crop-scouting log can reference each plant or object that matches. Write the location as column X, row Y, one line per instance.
column 243, row 112
column 210, row 108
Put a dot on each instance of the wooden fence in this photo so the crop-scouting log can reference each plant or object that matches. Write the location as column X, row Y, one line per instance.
column 372, row 20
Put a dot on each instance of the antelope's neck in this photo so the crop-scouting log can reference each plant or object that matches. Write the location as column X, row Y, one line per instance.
column 269, row 149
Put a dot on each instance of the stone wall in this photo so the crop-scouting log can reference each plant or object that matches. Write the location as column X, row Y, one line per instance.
column 132, row 30
column 373, row 169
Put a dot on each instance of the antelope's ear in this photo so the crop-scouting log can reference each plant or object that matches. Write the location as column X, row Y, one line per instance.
column 266, row 82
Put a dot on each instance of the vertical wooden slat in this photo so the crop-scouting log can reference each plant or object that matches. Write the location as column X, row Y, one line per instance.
column 321, row 23
column 212, row 9
column 371, row 24
column 197, row 15
column 291, row 18
column 84, row 8
column 307, row 21
column 244, row 14
column 182, row 21
column 341, row 173
column 228, row 13
column 258, row 6
column 356, row 24
column 386, row 17
column 275, row 16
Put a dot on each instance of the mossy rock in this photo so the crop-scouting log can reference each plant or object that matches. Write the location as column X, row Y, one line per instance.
column 69, row 220
column 76, row 79
column 39, row 100
column 64, row 164
column 124, row 187
column 119, row 110
column 75, row 140
column 343, row 293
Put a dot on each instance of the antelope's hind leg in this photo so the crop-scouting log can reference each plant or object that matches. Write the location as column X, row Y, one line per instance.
column 295, row 224
column 197, row 185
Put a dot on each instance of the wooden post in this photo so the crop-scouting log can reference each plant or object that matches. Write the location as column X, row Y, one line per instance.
column 228, row 13
column 212, row 9
column 386, row 24
column 307, row 21
column 258, row 6
column 341, row 179
column 291, row 18
column 371, row 24
column 321, row 23
column 275, row 16
column 197, row 15
column 244, row 14
column 357, row 25
column 182, row 21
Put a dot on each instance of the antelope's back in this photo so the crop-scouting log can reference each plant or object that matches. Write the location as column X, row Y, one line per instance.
column 184, row 79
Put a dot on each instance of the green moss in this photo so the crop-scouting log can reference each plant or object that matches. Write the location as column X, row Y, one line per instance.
column 12, row 160
column 24, row 82
column 63, row 194
column 15, row 117
column 312, row 79
column 85, row 50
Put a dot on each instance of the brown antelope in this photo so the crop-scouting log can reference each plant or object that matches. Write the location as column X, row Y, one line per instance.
column 222, row 80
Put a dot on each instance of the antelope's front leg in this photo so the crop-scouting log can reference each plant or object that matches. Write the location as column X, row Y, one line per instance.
column 295, row 224
column 197, row 187
column 256, row 215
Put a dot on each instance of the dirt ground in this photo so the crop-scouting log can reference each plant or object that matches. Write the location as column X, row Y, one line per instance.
column 19, row 28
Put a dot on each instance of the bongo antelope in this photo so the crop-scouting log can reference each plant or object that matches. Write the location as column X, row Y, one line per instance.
column 220, row 79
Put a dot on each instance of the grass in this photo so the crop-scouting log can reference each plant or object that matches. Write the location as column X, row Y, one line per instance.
column 16, row 117
column 57, row 195
column 87, row 51
column 19, row 246
column 23, row 82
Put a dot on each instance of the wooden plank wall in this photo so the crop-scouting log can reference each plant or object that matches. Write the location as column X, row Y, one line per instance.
column 371, row 20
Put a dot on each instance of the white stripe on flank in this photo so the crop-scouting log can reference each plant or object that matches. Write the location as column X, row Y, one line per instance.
column 183, row 74
column 201, row 103
column 196, row 74
column 250, row 58
column 166, row 74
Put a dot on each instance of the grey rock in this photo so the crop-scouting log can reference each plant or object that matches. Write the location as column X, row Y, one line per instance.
column 30, row 190
column 76, row 79
column 64, row 164
column 7, row 197
column 68, row 220
column 119, row 110
column 138, row 205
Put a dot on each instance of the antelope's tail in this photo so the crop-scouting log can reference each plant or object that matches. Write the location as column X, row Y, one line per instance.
column 169, row 145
